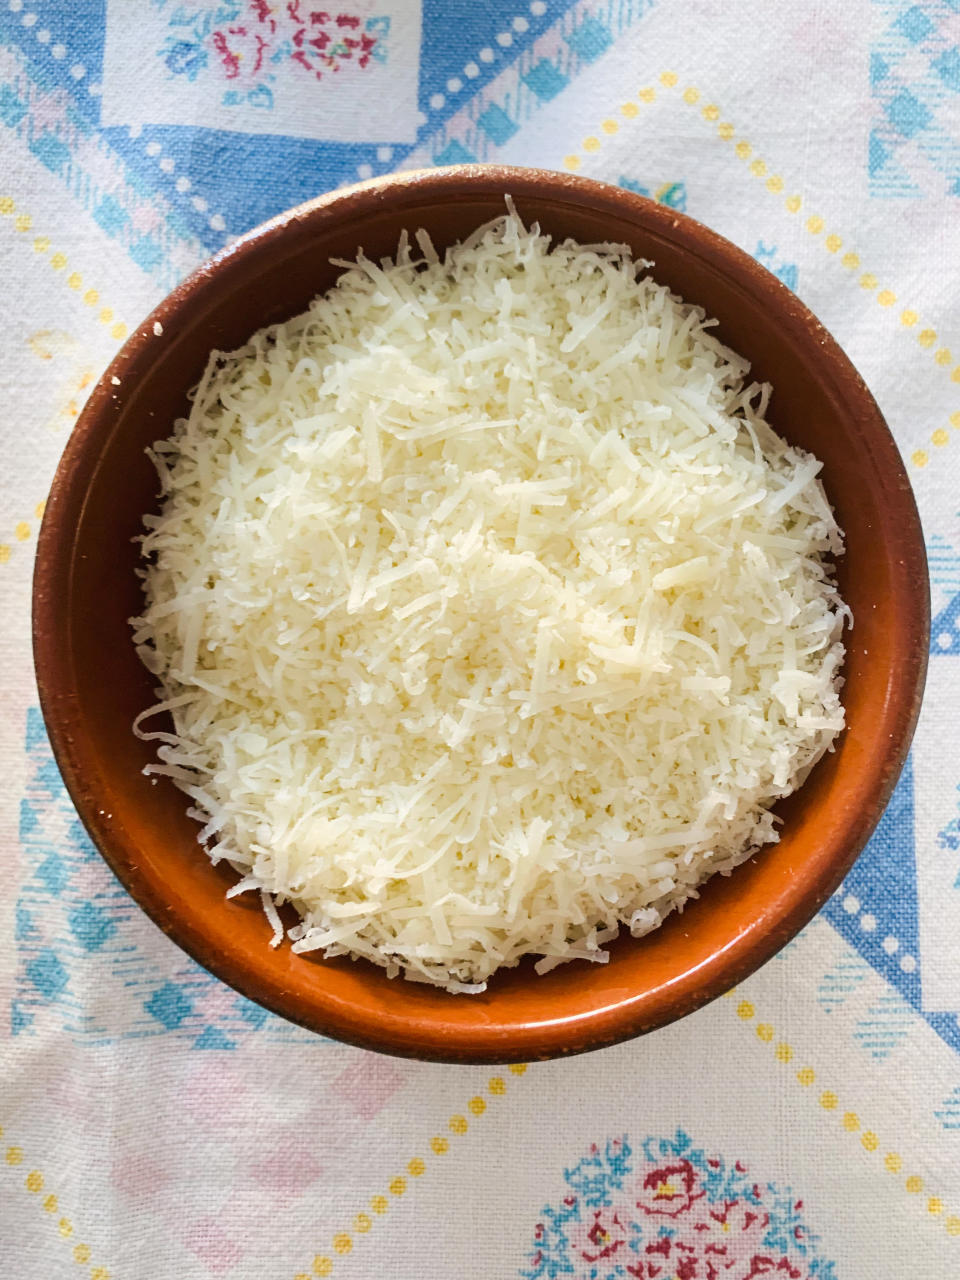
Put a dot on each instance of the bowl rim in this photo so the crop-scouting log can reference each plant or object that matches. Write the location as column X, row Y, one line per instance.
column 556, row 1036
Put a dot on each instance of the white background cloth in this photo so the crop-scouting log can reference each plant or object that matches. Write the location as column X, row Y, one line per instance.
column 155, row 1125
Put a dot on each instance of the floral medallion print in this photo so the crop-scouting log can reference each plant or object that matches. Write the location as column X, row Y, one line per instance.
column 670, row 1211
column 244, row 43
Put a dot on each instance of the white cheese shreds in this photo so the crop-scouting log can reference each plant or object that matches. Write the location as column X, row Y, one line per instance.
column 489, row 612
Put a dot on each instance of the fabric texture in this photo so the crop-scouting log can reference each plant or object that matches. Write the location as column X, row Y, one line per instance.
column 156, row 1124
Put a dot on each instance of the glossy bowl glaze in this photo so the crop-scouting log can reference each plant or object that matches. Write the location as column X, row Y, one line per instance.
column 92, row 684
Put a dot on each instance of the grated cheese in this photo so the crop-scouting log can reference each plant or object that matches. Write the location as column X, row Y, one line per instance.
column 490, row 613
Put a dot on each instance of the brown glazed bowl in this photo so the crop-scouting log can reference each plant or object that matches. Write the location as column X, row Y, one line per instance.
column 92, row 684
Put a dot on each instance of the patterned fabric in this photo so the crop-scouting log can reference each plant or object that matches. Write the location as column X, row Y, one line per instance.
column 154, row 1123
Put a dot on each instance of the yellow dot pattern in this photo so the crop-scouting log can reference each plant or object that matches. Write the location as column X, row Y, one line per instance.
column 22, row 532
column 23, row 222
column 343, row 1242
column 850, row 1120
column 34, row 1183
column 592, row 143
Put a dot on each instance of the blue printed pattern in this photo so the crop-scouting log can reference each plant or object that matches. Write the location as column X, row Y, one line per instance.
column 543, row 69
column 88, row 960
column 876, row 909
column 786, row 272
column 944, row 561
column 915, row 81
column 144, row 224
column 945, row 640
column 212, row 180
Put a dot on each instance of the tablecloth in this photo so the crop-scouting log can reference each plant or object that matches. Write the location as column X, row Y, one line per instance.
column 155, row 1124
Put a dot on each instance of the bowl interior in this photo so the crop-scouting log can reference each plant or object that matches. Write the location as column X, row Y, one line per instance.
column 92, row 685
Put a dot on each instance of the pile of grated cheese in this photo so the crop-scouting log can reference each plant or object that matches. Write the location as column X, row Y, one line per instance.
column 490, row 613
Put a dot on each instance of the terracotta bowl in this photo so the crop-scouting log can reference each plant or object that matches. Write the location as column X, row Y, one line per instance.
column 92, row 684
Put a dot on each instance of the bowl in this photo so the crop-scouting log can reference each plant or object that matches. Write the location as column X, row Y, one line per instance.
column 92, row 685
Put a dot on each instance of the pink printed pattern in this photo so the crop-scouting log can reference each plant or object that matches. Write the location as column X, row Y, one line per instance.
column 672, row 1212
column 244, row 44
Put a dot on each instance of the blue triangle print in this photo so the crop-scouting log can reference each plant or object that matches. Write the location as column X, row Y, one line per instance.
column 213, row 1038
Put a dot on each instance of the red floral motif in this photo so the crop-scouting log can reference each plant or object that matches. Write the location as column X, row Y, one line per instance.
column 669, row 1189
column 600, row 1236
column 319, row 41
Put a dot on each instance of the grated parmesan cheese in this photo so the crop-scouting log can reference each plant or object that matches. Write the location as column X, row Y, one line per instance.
column 489, row 612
